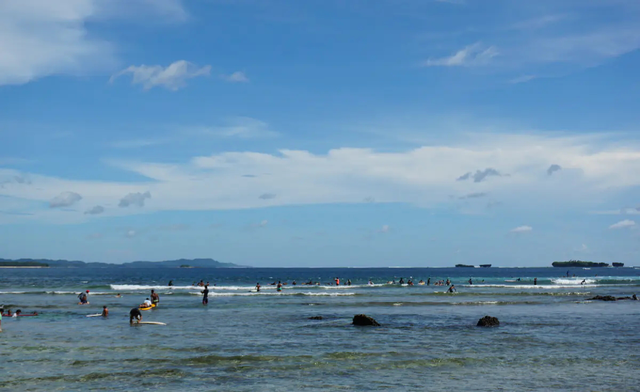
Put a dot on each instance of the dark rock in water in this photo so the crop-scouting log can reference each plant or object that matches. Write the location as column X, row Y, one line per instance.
column 603, row 298
column 363, row 319
column 315, row 318
column 488, row 321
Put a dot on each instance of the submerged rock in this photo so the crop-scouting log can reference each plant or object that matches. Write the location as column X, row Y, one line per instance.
column 363, row 319
column 603, row 298
column 315, row 318
column 488, row 321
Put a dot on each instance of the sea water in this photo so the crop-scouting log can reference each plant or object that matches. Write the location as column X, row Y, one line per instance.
column 551, row 337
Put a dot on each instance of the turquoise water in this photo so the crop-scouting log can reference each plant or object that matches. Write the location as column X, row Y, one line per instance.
column 550, row 337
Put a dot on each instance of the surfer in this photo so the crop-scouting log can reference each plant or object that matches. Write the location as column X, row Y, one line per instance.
column 258, row 286
column 584, row 281
column 205, row 295
column 471, row 281
column 535, row 281
column 452, row 289
column 428, row 281
column 155, row 298
column 146, row 303
column 105, row 311
column 118, row 295
column 170, row 283
column 135, row 314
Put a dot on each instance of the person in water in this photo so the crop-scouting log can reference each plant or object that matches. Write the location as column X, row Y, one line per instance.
column 470, row 281
column 205, row 295
column 105, row 311
column 118, row 295
column 136, row 314
column 155, row 298
column 146, row 303
column 535, row 281
column 258, row 286
column 279, row 286
column 452, row 289
column 170, row 283
column 83, row 298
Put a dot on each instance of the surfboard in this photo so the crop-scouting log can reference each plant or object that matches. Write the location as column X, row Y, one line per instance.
column 149, row 308
column 94, row 315
column 152, row 322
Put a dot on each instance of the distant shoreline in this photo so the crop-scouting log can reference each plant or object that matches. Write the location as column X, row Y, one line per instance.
column 24, row 266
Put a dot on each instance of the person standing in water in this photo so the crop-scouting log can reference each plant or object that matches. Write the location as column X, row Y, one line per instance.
column 136, row 314
column 258, row 287
column 155, row 298
column 105, row 311
column 279, row 287
column 205, row 295
column 535, row 281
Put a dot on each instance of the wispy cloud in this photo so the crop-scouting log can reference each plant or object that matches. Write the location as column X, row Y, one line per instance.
column 522, row 79
column 521, row 229
column 267, row 196
column 469, row 56
column 475, row 195
column 236, row 77
column 42, row 38
column 479, row 175
column 624, row 224
column 237, row 127
column 172, row 77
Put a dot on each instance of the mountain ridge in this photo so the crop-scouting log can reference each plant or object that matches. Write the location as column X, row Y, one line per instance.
column 62, row 263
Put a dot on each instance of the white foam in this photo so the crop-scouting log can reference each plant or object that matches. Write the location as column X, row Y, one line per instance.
column 286, row 293
column 529, row 286
column 576, row 281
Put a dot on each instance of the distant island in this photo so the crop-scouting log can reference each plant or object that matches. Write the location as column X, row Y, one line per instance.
column 578, row 263
column 182, row 263
column 464, row 266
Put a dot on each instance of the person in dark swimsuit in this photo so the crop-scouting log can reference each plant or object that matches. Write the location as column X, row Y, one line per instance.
column 205, row 295
column 155, row 298
column 135, row 313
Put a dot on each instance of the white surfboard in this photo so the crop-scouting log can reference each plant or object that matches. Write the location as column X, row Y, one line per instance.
column 94, row 315
column 152, row 322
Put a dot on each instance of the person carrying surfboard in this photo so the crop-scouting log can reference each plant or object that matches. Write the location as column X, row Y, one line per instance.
column 155, row 298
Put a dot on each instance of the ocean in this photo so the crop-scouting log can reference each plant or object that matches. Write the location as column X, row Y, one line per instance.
column 551, row 337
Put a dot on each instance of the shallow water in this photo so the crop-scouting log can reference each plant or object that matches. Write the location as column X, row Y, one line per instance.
column 550, row 337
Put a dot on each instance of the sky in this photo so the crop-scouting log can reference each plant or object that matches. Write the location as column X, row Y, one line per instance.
column 321, row 133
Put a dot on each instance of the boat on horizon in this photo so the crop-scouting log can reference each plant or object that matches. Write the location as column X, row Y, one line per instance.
column 464, row 266
column 485, row 265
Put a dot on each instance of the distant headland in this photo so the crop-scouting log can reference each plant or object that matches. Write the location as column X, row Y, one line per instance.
column 181, row 263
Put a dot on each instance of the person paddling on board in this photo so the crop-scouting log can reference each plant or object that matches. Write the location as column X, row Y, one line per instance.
column 155, row 298
column 105, row 311
column 146, row 303
column 205, row 295
column 135, row 314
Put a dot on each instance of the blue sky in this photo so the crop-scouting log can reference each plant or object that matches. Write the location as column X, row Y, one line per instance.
column 320, row 133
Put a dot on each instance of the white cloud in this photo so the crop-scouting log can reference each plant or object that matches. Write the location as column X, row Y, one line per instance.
column 385, row 229
column 423, row 176
column 130, row 233
column 623, row 224
column 40, row 38
column 236, row 77
column 521, row 229
column 472, row 55
column 65, row 199
column 172, row 77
